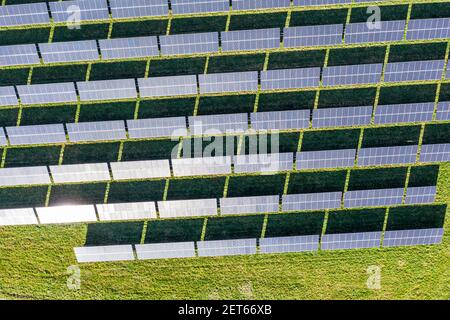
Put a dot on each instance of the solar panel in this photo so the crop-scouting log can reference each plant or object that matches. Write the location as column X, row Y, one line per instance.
column 241, row 205
column 25, row 54
column 47, row 93
column 167, row 86
column 418, row 195
column 69, row 51
column 159, row 127
column 414, row 71
column 290, row 78
column 201, row 166
column 289, row 244
column 126, row 211
column 361, row 33
column 341, row 117
column 308, row 3
column 228, row 82
column 353, row 74
column 325, row 159
column 280, row 120
column 243, row 40
column 258, row 4
column 187, row 208
column 307, row 36
column 129, row 170
column 138, row 8
column 435, row 152
column 96, row 131
column 413, row 237
column 24, row 14
column 387, row 155
column 41, row 134
column 165, row 250
column 129, row 48
column 199, row 6
column 312, row 201
column 104, row 254
column 80, row 173
column 273, row 162
column 360, row 240
column 3, row 140
column 24, row 176
column 189, row 43
column 226, row 247
column 399, row 113
column 424, row 29
column 373, row 198
column 218, row 124
column 66, row 214
column 88, row 10
column 8, row 96
column 17, row 217
column 442, row 113
column 107, row 90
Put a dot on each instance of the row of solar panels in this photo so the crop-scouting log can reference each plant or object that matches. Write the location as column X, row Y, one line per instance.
column 214, row 248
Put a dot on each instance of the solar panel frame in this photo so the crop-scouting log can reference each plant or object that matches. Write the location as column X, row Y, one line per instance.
column 352, row 74
column 147, row 169
column 18, row 55
column 66, row 214
column 414, row 70
column 309, row 36
column 413, row 237
column 47, row 93
column 122, row 48
column 360, row 33
column 187, row 208
column 104, row 253
column 96, row 131
column 373, row 198
column 243, row 205
column 17, row 217
column 311, row 201
column 24, row 14
column 310, row 3
column 263, row 163
column 89, row 10
column 443, row 111
column 402, row 113
column 39, row 134
column 341, row 117
column 72, row 51
column 3, row 139
column 258, row 4
column 419, row 195
column 289, row 244
column 167, row 86
column 280, row 120
column 426, row 29
column 201, row 166
column 228, row 82
column 357, row 240
column 158, row 127
column 8, row 96
column 387, row 155
column 306, row 160
column 107, row 90
column 122, row 9
column 77, row 173
column 256, row 39
column 179, row 44
column 218, row 124
column 24, row 176
column 435, row 152
column 215, row 248
column 165, row 250
column 126, row 211
column 290, row 78
column 196, row 6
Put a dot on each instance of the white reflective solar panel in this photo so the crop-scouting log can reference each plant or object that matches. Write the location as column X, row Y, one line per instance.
column 24, row 176
column 104, row 254
column 435, row 152
column 414, row 71
column 413, row 237
column 289, row 244
column 341, row 117
column 226, row 247
column 165, row 250
column 280, row 120
column 189, row 43
column 187, row 208
column 3, row 140
column 241, row 205
column 273, row 162
column 17, row 217
column 107, row 90
column 16, row 55
column 96, row 131
column 320, row 35
column 69, row 51
column 126, row 211
column 80, row 173
column 312, row 201
column 47, row 93
column 387, row 155
column 360, row 240
column 228, row 82
column 290, row 78
column 158, row 127
column 373, row 198
column 243, row 40
column 24, row 14
column 418, row 195
column 201, row 166
column 363, row 32
column 218, row 124
column 66, row 214
column 128, row 170
column 129, row 47
column 353, row 74
column 443, row 110
column 325, row 159
column 398, row 113
column 260, row 4
column 86, row 10
column 41, row 134
column 307, row 3
column 8, row 96
column 138, row 8
column 199, row 6
column 425, row 29
column 167, row 86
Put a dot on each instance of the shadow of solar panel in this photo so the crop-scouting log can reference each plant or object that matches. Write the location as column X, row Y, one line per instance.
column 187, row 208
column 16, row 55
column 140, row 169
column 155, row 128
column 290, row 78
column 129, row 48
column 201, row 166
column 47, row 93
column 351, row 241
column 311, row 201
column 104, row 254
column 325, row 159
column 308, row 3
column 435, row 152
column 8, row 96
column 362, row 33
column 66, row 214
column 218, row 248
column 228, row 82
column 107, row 90
column 414, row 71
column 96, row 131
column 250, row 39
column 373, row 198
column 189, row 43
column 254, row 163
column 443, row 111
column 80, row 173
column 400, row 113
column 413, row 237
column 423, row 29
column 24, row 176
column 42, row 134
column 69, row 51
column 242, row 205
column 195, row 6
column 24, row 14
column 320, row 35
column 280, row 120
column 167, row 86
column 17, row 217
column 341, row 117
column 86, row 9
column 418, row 195
column 138, row 8
column 165, row 250
column 353, row 74
column 126, row 211
column 289, row 244
column 387, row 155
column 3, row 140
column 258, row 4
column 218, row 124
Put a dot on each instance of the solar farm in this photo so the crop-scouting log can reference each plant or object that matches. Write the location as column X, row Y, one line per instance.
column 224, row 149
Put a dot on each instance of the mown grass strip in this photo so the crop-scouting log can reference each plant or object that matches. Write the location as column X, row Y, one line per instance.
column 408, row 18
column 438, row 87
column 61, row 155
column 205, row 224
column 380, row 84
column 5, row 151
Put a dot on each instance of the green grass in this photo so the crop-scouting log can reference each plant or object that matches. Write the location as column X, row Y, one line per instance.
column 296, row 59
column 24, row 36
column 226, row 104
column 107, row 111
column 91, row 153
column 14, row 197
column 361, row 179
column 48, row 115
column 349, row 221
column 181, row 107
column 118, row 70
column 294, row 224
column 76, row 194
column 313, row 182
column 86, row 32
column 136, row 191
column 176, row 67
column 223, row 228
column 174, row 230
column 416, row 217
column 34, row 156
column 139, row 28
column 392, row 136
column 200, row 188
column 236, row 63
column 198, row 24
column 18, row 77
column 55, row 74
column 330, row 140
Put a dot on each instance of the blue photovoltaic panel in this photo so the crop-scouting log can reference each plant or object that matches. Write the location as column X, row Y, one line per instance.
column 104, row 254
column 258, row 4
column 280, row 120
column 259, row 163
column 96, row 131
column 41, row 134
column 226, row 247
column 16, row 55
column 24, row 14
column 308, row 3
column 218, row 124
column 199, row 6
column 156, row 128
column 3, row 140
column 77, row 173
column 241, row 205
column 320, row 35
column 361, row 33
column 201, row 166
column 312, row 201
column 387, row 155
column 8, row 96
column 107, row 90
column 373, row 198
column 24, row 176
column 399, row 113
column 413, row 237
column 165, row 250
column 418, row 195
column 443, row 111
column 414, row 71
column 47, row 93
column 228, row 82
column 87, row 10
column 289, row 244
column 167, row 86
column 189, row 43
column 341, row 241
column 435, row 152
column 17, row 217
column 69, row 51
column 342, row 117
column 129, row 48
column 424, row 29
column 187, row 208
column 243, row 40
column 325, row 159
column 353, row 74
column 290, row 78
column 138, row 8
column 129, row 170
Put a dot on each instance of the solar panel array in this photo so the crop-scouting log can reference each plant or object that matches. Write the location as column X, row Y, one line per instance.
column 250, row 39
column 373, row 198
column 3, row 139
column 167, row 86
column 387, row 155
column 126, row 211
column 155, row 128
column 15, row 55
column 138, row 8
column 387, row 31
column 40, row 134
column 257, row 4
column 80, row 173
column 280, row 120
column 66, row 214
column 325, row 159
column 254, row 163
column 24, row 14
column 359, row 240
column 69, row 51
column 290, row 78
column 228, row 82
column 107, row 90
column 312, row 201
column 218, row 124
column 320, row 35
column 353, row 74
column 435, row 152
column 104, row 253
column 88, row 10
column 47, row 93
column 418, row 195
column 132, row 170
column 187, row 208
column 138, row 47
column 226, row 247
column 242, row 205
column 189, row 43
column 442, row 112
column 17, row 217
column 341, row 117
column 8, row 96
column 26, row 176
column 414, row 71
column 201, row 166
column 398, row 113
column 165, row 250
column 419, row 29
column 289, row 244
column 413, row 237
column 96, row 131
